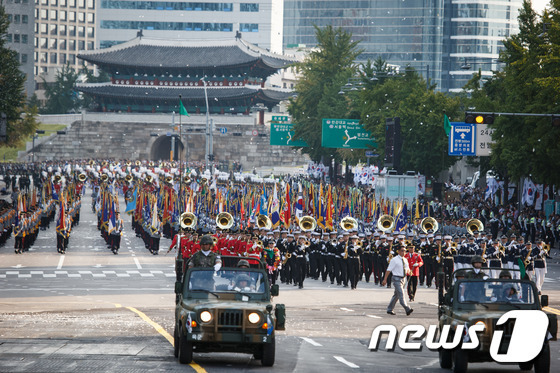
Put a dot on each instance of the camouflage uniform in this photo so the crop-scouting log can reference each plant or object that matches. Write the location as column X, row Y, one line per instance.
column 201, row 260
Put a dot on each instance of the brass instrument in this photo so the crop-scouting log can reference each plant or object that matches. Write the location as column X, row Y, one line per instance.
column 128, row 178
column 346, row 251
column 149, row 179
column 546, row 247
column 527, row 260
column 360, row 244
column 502, row 250
column 288, row 256
column 151, row 164
column 188, row 220
column 104, row 177
column 454, row 248
column 57, row 178
column 429, row 223
column 128, row 163
column 386, row 223
column 169, row 179
column 483, row 253
column 264, row 221
column 204, row 180
column 474, row 225
column 187, row 180
column 224, row 220
column 348, row 223
column 82, row 177
column 104, row 164
column 138, row 163
column 307, row 223
column 214, row 239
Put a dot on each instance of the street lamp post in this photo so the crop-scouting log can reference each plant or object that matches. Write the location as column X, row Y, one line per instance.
column 35, row 136
column 208, row 132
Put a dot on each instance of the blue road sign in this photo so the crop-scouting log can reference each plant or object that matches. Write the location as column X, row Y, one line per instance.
column 370, row 153
column 223, row 130
column 462, row 139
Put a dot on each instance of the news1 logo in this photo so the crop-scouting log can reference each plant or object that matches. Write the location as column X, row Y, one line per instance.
column 525, row 343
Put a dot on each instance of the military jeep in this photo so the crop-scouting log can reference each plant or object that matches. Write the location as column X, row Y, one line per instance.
column 226, row 311
column 483, row 300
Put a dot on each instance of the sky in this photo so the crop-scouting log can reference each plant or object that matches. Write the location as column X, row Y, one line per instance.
column 539, row 5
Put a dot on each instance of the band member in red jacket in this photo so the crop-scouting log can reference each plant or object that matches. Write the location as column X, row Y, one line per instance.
column 414, row 263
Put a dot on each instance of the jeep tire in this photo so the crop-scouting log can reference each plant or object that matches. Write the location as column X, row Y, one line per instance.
column 528, row 365
column 445, row 358
column 185, row 348
column 176, row 341
column 268, row 353
column 460, row 361
column 542, row 361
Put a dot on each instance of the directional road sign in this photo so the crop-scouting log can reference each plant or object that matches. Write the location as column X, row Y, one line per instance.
column 280, row 119
column 483, row 140
column 223, row 130
column 462, row 139
column 282, row 134
column 346, row 133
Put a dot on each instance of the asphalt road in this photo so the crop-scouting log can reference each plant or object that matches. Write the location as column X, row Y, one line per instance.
column 93, row 311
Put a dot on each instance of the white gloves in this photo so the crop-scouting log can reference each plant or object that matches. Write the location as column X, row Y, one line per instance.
column 217, row 267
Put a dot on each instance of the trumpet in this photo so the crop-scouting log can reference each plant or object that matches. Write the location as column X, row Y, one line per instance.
column 385, row 223
column 224, row 220
column 474, row 225
column 348, row 223
column 188, row 220
column 307, row 223
column 429, row 223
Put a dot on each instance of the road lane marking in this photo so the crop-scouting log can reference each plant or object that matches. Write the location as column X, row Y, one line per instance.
column 346, row 309
column 374, row 317
column 60, row 262
column 344, row 361
column 312, row 342
column 551, row 310
column 163, row 332
column 137, row 263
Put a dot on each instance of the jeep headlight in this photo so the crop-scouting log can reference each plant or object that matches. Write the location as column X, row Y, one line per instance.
column 254, row 318
column 480, row 322
column 205, row 316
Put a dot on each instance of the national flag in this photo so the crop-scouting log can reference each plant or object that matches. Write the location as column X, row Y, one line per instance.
column 529, row 189
column 299, row 204
column 182, row 109
column 446, row 124
column 275, row 209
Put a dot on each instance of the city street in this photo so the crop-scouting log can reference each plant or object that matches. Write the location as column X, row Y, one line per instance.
column 90, row 310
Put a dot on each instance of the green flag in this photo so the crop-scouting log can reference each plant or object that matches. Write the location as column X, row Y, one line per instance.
column 182, row 109
column 446, row 124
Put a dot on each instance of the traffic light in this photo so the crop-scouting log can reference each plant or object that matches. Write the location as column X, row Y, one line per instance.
column 210, row 157
column 393, row 142
column 556, row 120
column 479, row 118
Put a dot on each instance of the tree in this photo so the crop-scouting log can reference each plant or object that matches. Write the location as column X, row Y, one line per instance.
column 530, row 83
column 62, row 96
column 322, row 74
column 20, row 120
column 421, row 111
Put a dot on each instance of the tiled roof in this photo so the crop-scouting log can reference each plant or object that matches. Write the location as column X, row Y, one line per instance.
column 187, row 93
column 145, row 52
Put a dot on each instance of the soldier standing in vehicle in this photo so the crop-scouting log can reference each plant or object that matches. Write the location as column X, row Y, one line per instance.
column 206, row 257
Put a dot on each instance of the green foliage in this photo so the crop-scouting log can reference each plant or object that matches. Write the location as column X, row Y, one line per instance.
column 322, row 74
column 11, row 154
column 530, row 83
column 61, row 95
column 420, row 109
column 21, row 121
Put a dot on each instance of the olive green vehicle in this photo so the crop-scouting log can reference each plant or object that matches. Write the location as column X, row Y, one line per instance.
column 471, row 301
column 226, row 311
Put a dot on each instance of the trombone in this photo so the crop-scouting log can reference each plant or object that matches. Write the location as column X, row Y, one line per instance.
column 307, row 223
column 224, row 220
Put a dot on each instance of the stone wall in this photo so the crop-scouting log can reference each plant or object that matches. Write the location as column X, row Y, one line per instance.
column 136, row 140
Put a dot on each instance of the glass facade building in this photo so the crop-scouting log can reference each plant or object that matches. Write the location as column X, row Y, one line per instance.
column 433, row 36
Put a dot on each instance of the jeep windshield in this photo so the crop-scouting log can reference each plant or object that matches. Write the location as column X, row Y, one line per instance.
column 492, row 292
column 246, row 282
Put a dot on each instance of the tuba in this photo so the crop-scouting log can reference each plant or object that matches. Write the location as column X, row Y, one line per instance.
column 169, row 179
column 307, row 223
column 187, row 180
column 224, row 220
column 82, row 177
column 104, row 177
column 128, row 178
column 188, row 220
column 429, row 223
column 386, row 223
column 348, row 223
column 149, row 179
column 138, row 163
column 474, row 225
column 264, row 221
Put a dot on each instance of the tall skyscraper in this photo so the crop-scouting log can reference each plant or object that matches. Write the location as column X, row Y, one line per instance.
column 430, row 35
column 20, row 37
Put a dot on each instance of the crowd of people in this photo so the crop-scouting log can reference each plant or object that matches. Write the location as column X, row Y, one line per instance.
column 159, row 194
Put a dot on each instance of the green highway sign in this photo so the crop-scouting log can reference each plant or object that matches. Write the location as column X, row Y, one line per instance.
column 281, row 134
column 280, row 119
column 347, row 134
